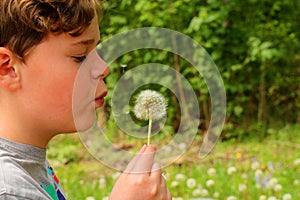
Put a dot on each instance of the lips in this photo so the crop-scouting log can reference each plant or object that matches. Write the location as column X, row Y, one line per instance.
column 99, row 100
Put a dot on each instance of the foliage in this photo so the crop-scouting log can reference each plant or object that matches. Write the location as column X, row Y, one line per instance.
column 255, row 45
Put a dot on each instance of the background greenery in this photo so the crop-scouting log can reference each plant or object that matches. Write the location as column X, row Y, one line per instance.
column 254, row 43
column 256, row 46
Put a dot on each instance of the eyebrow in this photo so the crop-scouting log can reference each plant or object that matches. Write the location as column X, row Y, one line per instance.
column 87, row 42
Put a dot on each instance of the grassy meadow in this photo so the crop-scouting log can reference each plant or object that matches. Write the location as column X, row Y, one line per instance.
column 253, row 169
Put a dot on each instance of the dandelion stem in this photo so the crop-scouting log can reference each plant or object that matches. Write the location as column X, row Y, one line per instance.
column 149, row 130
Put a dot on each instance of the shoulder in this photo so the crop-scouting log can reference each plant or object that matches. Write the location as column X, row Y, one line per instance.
column 16, row 183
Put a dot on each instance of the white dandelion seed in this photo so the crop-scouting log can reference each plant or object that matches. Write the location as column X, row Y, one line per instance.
column 272, row 198
column 180, row 177
column 150, row 105
column 258, row 173
column 258, row 186
column 297, row 161
column 204, row 192
column 287, row 196
column 196, row 192
column 216, row 195
column 210, row 183
column 174, row 184
column 231, row 198
column 182, row 146
column 244, row 176
column 191, row 183
column 271, row 183
column 231, row 170
column 211, row 171
column 242, row 187
column 277, row 188
column 255, row 165
column 102, row 182
column 262, row 197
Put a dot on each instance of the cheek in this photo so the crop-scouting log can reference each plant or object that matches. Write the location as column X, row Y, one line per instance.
column 55, row 98
column 57, row 87
column 84, row 87
column 83, row 100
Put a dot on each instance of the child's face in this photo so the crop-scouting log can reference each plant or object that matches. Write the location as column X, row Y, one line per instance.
column 49, row 74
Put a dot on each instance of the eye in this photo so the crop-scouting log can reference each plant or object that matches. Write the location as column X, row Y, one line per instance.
column 79, row 59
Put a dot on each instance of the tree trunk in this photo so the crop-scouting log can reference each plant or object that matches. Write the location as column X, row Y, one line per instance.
column 261, row 116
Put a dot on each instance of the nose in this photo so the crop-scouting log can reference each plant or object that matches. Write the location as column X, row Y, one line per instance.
column 99, row 69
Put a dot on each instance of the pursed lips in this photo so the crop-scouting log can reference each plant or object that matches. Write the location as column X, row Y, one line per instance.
column 99, row 100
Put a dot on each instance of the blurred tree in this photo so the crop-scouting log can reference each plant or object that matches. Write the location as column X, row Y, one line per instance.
column 254, row 43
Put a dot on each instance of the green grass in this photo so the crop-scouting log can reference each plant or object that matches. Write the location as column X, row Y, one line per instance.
column 82, row 176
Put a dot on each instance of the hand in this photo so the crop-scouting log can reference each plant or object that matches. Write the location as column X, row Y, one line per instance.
column 142, row 179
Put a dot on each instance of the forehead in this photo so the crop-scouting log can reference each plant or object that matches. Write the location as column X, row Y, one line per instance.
column 90, row 36
column 64, row 43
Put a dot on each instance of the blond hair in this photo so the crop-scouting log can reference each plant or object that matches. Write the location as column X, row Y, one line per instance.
column 24, row 23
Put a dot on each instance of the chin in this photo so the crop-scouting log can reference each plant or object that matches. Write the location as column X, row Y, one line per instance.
column 84, row 123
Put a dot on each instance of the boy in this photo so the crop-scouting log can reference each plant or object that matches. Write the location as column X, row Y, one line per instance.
column 42, row 46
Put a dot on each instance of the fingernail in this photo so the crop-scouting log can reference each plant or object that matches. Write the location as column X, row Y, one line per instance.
column 150, row 148
column 143, row 149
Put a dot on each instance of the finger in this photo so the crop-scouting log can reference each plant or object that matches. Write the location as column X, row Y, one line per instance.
column 145, row 161
column 132, row 163
column 156, row 173
column 169, row 196
column 163, row 182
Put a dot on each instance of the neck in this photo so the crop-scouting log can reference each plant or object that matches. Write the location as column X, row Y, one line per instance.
column 17, row 128
column 23, row 139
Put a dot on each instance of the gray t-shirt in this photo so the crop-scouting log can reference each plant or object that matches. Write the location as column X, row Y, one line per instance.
column 26, row 174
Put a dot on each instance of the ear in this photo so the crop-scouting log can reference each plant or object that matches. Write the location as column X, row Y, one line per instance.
column 9, row 73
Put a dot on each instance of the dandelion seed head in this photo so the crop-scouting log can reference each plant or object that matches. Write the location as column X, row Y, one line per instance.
column 204, row 192
column 255, row 165
column 231, row 198
column 258, row 173
column 296, row 182
column 271, row 183
column 211, row 171
column 277, row 188
column 262, row 197
column 180, row 177
column 191, row 183
column 174, row 184
column 272, row 198
column 210, row 183
column 297, row 161
column 182, row 146
column 287, row 196
column 102, row 182
column 242, row 187
column 150, row 104
column 196, row 192
column 231, row 170
column 244, row 176
column 258, row 186
column 216, row 195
